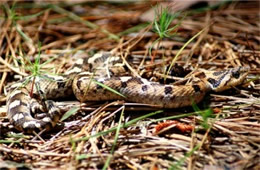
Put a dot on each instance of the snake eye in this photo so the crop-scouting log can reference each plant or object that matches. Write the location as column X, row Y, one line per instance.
column 236, row 74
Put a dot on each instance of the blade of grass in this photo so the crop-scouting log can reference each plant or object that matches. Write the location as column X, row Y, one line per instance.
column 174, row 117
column 24, row 36
column 82, row 156
column 87, row 23
column 133, row 29
column 205, row 114
column 69, row 113
column 122, row 126
column 108, row 88
column 179, row 163
column 179, row 52
column 115, row 140
column 28, row 17
column 8, row 141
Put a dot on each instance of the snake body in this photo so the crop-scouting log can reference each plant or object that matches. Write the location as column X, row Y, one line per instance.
column 21, row 105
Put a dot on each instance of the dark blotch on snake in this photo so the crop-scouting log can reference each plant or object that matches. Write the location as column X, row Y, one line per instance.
column 23, row 104
column 167, row 90
column 144, row 87
column 125, row 68
column 123, row 84
column 61, row 84
column 196, row 88
column 78, row 84
column 99, row 87
column 213, row 82
column 236, row 74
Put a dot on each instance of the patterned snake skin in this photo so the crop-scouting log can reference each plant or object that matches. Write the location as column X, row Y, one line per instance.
column 22, row 106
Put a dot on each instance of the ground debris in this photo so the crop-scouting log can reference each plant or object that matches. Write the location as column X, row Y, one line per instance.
column 224, row 134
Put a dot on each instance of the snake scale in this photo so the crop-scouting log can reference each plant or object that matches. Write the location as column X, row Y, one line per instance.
column 22, row 105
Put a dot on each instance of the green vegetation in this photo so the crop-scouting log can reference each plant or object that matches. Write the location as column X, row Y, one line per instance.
column 131, row 122
column 161, row 26
column 106, row 165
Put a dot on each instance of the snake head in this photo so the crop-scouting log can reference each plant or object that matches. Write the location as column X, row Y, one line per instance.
column 223, row 80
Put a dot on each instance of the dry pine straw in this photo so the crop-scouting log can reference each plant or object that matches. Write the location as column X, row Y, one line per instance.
column 233, row 138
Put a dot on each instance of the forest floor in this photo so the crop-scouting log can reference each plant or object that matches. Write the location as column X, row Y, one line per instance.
column 221, row 132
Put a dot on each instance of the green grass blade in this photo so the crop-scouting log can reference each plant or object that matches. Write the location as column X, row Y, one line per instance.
column 28, row 17
column 133, row 29
column 115, row 140
column 87, row 23
column 69, row 113
column 24, row 36
column 8, row 141
column 179, row 52
column 174, row 117
column 179, row 163
column 48, row 61
column 82, row 156
column 108, row 88
column 122, row 126
column 150, row 48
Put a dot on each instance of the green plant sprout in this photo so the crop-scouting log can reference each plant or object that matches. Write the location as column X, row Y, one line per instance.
column 35, row 69
column 161, row 26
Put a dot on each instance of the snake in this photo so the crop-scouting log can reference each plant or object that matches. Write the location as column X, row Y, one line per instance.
column 24, row 100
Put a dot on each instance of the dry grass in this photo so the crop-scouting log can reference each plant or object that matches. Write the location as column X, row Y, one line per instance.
column 87, row 140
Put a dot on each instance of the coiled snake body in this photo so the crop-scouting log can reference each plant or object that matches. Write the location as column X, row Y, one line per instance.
column 21, row 105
